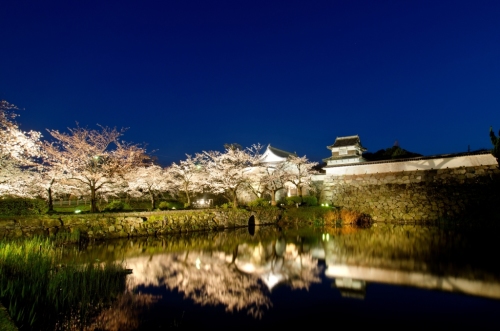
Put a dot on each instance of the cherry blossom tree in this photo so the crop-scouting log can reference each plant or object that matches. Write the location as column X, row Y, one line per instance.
column 18, row 182
column 51, row 183
column 300, row 170
column 93, row 159
column 188, row 175
column 19, row 152
column 257, row 186
column 275, row 179
column 19, row 146
column 229, row 171
column 150, row 180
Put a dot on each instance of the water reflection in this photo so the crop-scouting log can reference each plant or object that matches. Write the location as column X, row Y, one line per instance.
column 238, row 280
column 240, row 269
column 424, row 257
column 205, row 278
column 123, row 315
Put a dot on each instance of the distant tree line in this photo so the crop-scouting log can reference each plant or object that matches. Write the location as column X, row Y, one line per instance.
column 394, row 152
column 495, row 141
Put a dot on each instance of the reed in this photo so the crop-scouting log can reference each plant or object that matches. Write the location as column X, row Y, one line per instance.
column 38, row 291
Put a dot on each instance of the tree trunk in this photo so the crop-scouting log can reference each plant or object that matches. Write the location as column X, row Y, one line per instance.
column 50, row 203
column 152, row 197
column 273, row 198
column 93, row 199
column 187, row 196
column 235, row 199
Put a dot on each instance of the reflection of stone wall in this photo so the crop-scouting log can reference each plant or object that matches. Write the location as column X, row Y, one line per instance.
column 123, row 248
column 422, row 195
column 443, row 250
column 123, row 225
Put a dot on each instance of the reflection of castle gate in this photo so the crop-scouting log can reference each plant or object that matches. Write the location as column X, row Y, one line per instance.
column 278, row 261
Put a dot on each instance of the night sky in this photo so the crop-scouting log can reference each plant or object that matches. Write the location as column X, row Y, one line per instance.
column 187, row 76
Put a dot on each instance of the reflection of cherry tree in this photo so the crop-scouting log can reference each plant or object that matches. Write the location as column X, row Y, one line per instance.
column 206, row 278
column 232, row 280
column 122, row 315
column 279, row 262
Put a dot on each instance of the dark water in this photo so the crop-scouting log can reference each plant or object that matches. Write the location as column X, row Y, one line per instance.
column 389, row 275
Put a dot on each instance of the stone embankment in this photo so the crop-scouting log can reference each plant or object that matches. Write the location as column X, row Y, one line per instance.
column 416, row 196
column 123, row 225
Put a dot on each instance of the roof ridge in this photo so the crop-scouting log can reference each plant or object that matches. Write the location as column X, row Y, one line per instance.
column 281, row 150
column 348, row 137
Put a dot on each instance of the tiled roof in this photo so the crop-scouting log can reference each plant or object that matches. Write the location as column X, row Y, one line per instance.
column 346, row 141
column 280, row 152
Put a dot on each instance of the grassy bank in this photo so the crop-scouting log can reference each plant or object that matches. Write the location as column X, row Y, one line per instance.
column 40, row 293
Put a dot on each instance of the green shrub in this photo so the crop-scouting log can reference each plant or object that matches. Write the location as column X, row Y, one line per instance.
column 22, row 207
column 309, row 200
column 227, row 205
column 115, row 206
column 139, row 205
column 260, row 202
column 311, row 214
column 166, row 205
column 292, row 200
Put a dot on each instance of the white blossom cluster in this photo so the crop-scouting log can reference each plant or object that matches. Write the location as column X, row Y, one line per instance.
column 96, row 163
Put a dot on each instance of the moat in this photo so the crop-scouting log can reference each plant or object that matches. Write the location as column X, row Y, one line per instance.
column 269, row 276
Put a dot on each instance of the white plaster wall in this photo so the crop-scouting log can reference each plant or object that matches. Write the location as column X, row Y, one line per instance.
column 352, row 159
column 412, row 165
column 269, row 157
column 348, row 148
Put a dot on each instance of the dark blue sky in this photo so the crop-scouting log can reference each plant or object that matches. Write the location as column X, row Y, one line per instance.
column 187, row 76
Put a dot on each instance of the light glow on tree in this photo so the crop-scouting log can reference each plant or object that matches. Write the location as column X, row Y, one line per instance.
column 94, row 159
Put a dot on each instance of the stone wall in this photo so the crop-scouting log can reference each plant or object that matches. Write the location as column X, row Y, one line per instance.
column 416, row 196
column 123, row 225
